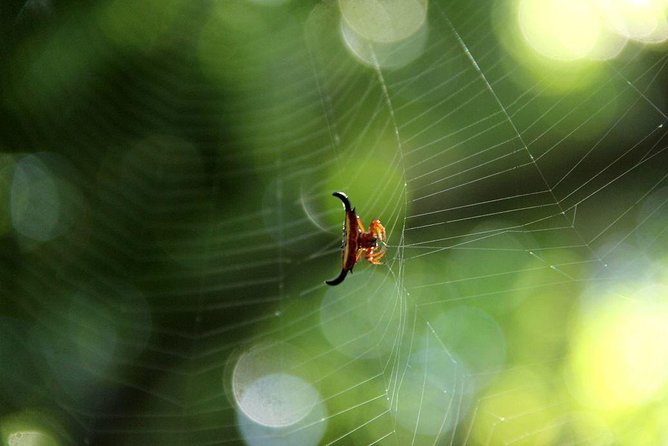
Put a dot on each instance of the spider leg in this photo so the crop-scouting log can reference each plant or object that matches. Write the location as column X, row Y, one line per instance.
column 359, row 254
column 360, row 225
column 378, row 230
column 377, row 256
column 369, row 255
column 374, row 257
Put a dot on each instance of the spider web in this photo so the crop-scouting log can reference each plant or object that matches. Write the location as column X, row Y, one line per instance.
column 176, row 296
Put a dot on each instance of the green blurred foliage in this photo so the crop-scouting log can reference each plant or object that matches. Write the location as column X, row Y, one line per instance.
column 189, row 152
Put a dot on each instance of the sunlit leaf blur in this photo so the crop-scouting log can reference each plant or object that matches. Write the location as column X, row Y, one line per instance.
column 167, row 222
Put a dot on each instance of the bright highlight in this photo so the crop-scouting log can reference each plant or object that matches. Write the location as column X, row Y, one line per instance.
column 386, row 21
column 386, row 55
column 276, row 402
column 560, row 29
column 388, row 34
column 643, row 20
column 515, row 410
column 621, row 357
column 569, row 30
column 30, row 438
column 278, row 399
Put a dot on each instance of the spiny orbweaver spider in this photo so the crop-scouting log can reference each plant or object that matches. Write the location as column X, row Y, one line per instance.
column 358, row 242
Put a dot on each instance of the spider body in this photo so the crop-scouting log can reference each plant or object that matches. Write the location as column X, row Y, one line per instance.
column 358, row 242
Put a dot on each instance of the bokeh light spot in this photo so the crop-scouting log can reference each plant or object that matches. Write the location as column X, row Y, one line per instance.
column 97, row 327
column 643, row 20
column 362, row 318
column 516, row 409
column 30, row 428
column 43, row 204
column 35, row 200
column 308, row 432
column 475, row 337
column 581, row 426
column 384, row 21
column 30, row 438
column 393, row 54
column 275, row 400
column 278, row 399
column 620, row 357
column 270, row 387
column 558, row 29
column 435, row 390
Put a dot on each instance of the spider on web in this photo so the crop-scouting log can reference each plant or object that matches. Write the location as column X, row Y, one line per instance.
column 357, row 242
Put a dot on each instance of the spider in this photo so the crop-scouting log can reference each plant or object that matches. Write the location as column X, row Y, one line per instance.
column 357, row 241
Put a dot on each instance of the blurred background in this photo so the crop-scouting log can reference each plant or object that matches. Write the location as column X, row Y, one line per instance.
column 166, row 224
